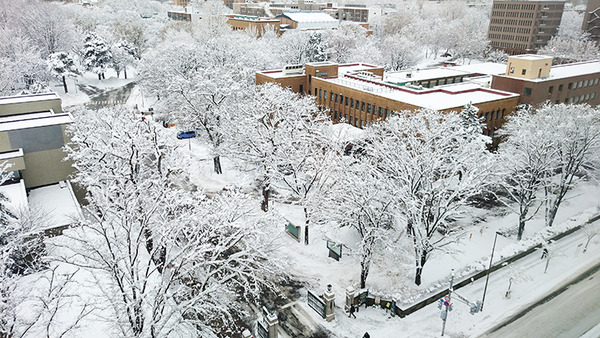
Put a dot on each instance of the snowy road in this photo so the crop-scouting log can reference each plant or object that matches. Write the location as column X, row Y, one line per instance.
column 568, row 312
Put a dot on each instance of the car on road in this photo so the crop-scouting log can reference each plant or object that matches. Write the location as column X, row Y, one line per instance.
column 186, row 134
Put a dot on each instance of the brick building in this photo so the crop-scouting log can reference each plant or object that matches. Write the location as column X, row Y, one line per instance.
column 591, row 20
column 523, row 26
column 534, row 77
column 361, row 94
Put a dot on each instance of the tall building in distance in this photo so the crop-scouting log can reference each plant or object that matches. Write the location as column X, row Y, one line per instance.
column 524, row 26
column 591, row 20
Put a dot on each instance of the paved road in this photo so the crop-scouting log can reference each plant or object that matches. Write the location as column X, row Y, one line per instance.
column 568, row 312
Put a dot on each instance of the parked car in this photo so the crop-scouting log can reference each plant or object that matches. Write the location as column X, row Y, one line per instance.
column 186, row 134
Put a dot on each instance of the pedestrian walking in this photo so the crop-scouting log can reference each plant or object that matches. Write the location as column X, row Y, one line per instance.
column 367, row 335
column 352, row 309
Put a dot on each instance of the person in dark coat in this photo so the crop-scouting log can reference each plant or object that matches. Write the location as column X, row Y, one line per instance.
column 352, row 309
column 367, row 335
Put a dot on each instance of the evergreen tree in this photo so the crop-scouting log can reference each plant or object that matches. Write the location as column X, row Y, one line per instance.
column 316, row 48
column 63, row 64
column 96, row 54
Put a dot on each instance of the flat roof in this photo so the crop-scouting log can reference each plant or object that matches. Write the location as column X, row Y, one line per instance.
column 342, row 69
column 309, row 16
column 34, row 120
column 28, row 98
column 58, row 201
column 489, row 68
column 439, row 98
column 566, row 71
column 532, row 57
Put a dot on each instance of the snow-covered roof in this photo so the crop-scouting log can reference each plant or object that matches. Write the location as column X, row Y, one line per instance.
column 5, row 155
column 567, row 71
column 532, row 57
column 354, row 67
column 16, row 194
column 34, row 120
column 59, row 201
column 309, row 16
column 28, row 98
column 445, row 72
column 439, row 98
column 311, row 19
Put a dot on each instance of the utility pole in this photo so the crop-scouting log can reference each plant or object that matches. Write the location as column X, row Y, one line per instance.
column 487, row 278
column 447, row 304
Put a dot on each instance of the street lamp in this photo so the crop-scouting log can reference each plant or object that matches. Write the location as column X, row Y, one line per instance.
column 487, row 278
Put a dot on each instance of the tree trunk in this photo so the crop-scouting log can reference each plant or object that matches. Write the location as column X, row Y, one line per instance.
column 420, row 267
column 100, row 76
column 264, row 205
column 521, row 226
column 125, row 72
column 118, row 73
column 103, row 77
column 306, row 220
column 65, row 84
column 217, row 164
column 551, row 215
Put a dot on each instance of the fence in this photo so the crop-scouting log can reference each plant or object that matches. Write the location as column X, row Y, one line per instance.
column 469, row 279
column 316, row 303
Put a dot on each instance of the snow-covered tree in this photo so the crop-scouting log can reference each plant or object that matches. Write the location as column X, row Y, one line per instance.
column 400, row 53
column 96, row 54
column 359, row 200
column 525, row 163
column 122, row 56
column 574, row 133
column 568, row 49
column 167, row 260
column 63, row 64
column 316, row 49
column 343, row 41
column 433, row 164
column 131, row 34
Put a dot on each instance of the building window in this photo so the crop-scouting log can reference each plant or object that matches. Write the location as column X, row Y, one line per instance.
column 374, row 109
column 595, row 82
column 335, row 115
column 332, row 97
column 315, row 91
column 309, row 78
column 362, row 106
column 570, row 86
column 550, row 89
column 585, row 84
column 301, row 89
column 560, row 87
column 336, row 98
column 503, row 111
column 527, row 91
column 325, row 95
column 369, row 108
column 320, row 93
column 587, row 97
column 593, row 96
column 346, row 117
column 362, row 123
column 487, row 115
column 380, row 112
column 357, row 104
column 387, row 113
column 350, row 120
column 351, row 103
column 580, row 84
column 346, row 100
column 523, row 71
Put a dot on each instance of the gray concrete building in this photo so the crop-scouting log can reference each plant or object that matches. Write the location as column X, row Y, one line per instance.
column 591, row 20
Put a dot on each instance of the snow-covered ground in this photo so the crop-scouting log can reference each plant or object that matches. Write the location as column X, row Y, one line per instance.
column 391, row 276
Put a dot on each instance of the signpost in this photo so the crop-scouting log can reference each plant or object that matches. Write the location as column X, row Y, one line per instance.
column 335, row 250
column 293, row 231
column 316, row 303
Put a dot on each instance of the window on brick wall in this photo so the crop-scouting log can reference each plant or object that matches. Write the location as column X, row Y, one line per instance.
column 527, row 92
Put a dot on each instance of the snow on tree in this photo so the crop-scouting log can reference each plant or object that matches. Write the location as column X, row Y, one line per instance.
column 342, row 41
column 96, row 54
column 200, row 85
column 122, row 56
column 432, row 164
column 572, row 135
column 568, row 49
column 524, row 165
column 21, row 64
column 401, row 53
column 167, row 260
column 361, row 201
column 272, row 127
column 131, row 34
column 63, row 64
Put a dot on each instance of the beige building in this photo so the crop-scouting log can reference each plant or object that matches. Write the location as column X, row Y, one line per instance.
column 32, row 135
column 534, row 77
column 360, row 94
column 252, row 23
column 523, row 26
column 591, row 20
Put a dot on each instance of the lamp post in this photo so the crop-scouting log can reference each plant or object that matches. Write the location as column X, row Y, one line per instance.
column 487, row 278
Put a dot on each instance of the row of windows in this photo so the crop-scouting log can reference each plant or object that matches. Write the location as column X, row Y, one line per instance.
column 514, row 6
column 571, row 86
column 581, row 98
column 353, row 104
column 492, row 115
column 509, row 45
